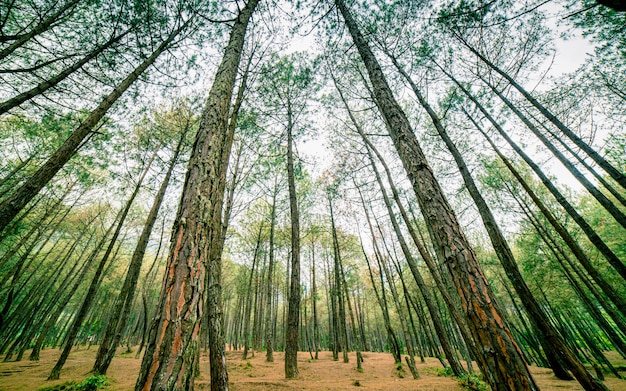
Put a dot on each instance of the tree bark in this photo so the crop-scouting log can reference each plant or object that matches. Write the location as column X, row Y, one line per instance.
column 194, row 260
column 293, row 315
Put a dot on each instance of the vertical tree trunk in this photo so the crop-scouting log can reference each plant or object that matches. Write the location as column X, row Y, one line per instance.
column 333, row 337
column 337, row 291
column 355, row 333
column 316, row 331
column 381, row 297
column 269, row 328
column 194, row 259
column 249, row 294
column 383, row 266
column 293, row 317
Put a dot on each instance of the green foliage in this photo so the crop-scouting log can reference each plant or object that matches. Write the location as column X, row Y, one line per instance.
column 471, row 381
column 400, row 370
column 616, row 151
column 287, row 84
column 445, row 372
column 602, row 24
column 92, row 383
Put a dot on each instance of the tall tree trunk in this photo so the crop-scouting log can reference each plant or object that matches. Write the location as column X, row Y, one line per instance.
column 380, row 297
column 502, row 362
column 249, row 294
column 337, row 291
column 194, row 261
column 293, row 317
column 355, row 333
column 331, row 300
column 147, row 280
column 384, row 268
column 232, row 126
column 269, row 328
column 316, row 331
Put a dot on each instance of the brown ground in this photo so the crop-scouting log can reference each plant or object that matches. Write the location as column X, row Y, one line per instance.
column 255, row 374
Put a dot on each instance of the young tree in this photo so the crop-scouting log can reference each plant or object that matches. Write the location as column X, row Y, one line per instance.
column 287, row 85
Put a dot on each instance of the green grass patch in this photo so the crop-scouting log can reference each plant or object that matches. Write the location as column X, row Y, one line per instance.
column 472, row 382
column 445, row 372
column 92, row 383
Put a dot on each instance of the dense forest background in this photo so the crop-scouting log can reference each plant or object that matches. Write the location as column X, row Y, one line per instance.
column 424, row 178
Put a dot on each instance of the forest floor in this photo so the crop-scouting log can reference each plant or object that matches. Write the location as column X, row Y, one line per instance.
column 255, row 374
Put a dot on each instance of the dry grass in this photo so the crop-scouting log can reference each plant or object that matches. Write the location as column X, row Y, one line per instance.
column 255, row 374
